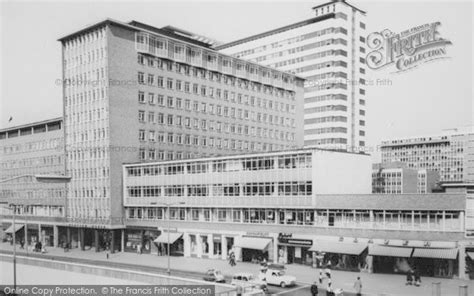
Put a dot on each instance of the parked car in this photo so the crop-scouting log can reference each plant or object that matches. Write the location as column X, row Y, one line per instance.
column 279, row 278
column 214, row 275
column 248, row 279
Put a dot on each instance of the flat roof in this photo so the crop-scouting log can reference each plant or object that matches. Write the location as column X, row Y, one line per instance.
column 240, row 155
column 275, row 31
column 46, row 121
column 340, row 1
column 136, row 26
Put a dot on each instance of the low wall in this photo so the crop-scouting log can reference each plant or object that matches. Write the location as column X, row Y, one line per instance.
column 118, row 273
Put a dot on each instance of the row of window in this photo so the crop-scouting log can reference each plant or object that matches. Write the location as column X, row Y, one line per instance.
column 205, row 124
column 231, row 80
column 245, row 189
column 281, row 43
column 159, row 99
column 379, row 219
column 291, row 161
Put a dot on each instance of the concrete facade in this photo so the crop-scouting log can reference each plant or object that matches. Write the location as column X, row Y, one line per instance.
column 329, row 51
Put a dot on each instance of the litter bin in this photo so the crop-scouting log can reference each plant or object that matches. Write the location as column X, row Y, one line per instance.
column 463, row 290
column 436, row 289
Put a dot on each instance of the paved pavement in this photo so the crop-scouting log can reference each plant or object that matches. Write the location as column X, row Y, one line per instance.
column 373, row 284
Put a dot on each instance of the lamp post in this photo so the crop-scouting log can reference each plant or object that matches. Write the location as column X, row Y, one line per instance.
column 39, row 178
column 168, row 205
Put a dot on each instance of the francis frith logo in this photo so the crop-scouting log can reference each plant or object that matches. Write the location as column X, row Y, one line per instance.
column 408, row 49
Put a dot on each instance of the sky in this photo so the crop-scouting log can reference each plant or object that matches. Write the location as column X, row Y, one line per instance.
column 432, row 98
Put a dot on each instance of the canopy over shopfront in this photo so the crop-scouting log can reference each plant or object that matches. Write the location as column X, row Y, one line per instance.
column 471, row 255
column 163, row 238
column 254, row 243
column 390, row 251
column 17, row 227
column 338, row 247
column 435, row 253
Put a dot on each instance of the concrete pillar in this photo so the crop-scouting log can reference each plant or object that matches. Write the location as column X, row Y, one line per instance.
column 187, row 245
column 112, row 241
column 81, row 239
column 199, row 245
column 225, row 252
column 210, row 243
column 68, row 235
column 55, row 236
column 371, row 218
column 122, row 240
column 462, row 262
column 26, row 235
column 40, row 234
column 96, row 240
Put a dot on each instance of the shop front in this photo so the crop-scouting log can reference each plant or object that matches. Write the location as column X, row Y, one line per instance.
column 133, row 239
column 175, row 241
column 436, row 262
column 390, row 259
column 254, row 249
column 294, row 250
column 340, row 255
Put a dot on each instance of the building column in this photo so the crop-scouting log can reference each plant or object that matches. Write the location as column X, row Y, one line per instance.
column 199, row 245
column 112, row 241
column 40, row 234
column 224, row 247
column 186, row 245
column 122, row 240
column 210, row 242
column 81, row 239
column 371, row 219
column 26, row 234
column 462, row 261
column 55, row 236
column 96, row 240
column 68, row 236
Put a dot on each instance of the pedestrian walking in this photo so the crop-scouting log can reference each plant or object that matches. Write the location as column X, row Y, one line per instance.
column 327, row 271
column 107, row 253
column 320, row 277
column 409, row 278
column 329, row 291
column 417, row 278
column 22, row 244
column 314, row 289
column 139, row 249
column 358, row 286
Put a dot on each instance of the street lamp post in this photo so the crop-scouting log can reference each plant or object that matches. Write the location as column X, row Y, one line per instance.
column 39, row 178
column 168, row 205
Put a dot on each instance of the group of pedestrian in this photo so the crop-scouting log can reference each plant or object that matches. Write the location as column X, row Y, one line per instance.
column 329, row 289
column 413, row 278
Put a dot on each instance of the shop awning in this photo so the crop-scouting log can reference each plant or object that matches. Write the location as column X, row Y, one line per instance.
column 378, row 250
column 338, row 247
column 471, row 255
column 254, row 243
column 17, row 227
column 435, row 253
column 163, row 238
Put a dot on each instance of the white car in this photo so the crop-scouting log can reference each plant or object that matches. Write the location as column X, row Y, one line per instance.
column 279, row 278
column 248, row 280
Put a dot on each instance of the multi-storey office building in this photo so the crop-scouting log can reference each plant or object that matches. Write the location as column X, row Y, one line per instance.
column 329, row 51
column 302, row 206
column 396, row 178
column 134, row 92
column 451, row 154
column 27, row 150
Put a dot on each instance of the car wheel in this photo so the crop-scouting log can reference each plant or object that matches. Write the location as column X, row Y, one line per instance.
column 283, row 284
